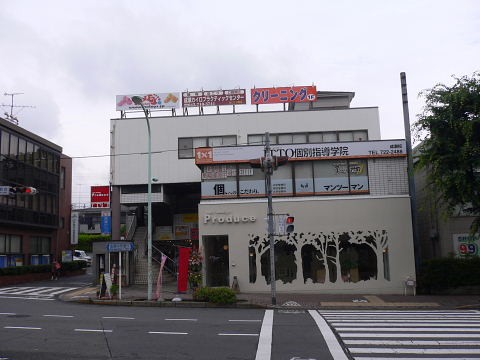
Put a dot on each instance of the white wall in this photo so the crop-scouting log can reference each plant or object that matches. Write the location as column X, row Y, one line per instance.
column 130, row 136
column 315, row 215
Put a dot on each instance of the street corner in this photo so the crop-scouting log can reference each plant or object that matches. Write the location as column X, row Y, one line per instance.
column 83, row 294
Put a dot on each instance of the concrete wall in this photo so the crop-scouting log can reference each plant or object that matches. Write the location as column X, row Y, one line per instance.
column 129, row 136
column 313, row 217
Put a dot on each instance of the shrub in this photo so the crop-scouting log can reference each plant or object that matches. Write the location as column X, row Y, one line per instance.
column 221, row 295
column 440, row 275
column 85, row 241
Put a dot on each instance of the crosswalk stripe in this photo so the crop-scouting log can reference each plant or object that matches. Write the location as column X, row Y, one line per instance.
column 381, row 335
column 39, row 291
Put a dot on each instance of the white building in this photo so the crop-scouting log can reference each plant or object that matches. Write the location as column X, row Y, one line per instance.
column 347, row 190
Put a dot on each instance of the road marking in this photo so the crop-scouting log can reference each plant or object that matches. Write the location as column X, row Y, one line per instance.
column 413, row 342
column 93, row 330
column 413, row 351
column 225, row 334
column 408, row 335
column 25, row 298
column 419, row 329
column 8, row 314
column 332, row 342
column 412, row 358
column 22, row 327
column 180, row 319
column 264, row 349
column 167, row 333
column 428, row 323
column 118, row 317
column 245, row 320
column 60, row 316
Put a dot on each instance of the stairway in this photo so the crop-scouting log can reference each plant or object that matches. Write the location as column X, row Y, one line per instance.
column 141, row 266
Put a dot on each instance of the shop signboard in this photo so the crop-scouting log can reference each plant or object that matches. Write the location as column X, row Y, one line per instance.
column 466, row 244
column 302, row 152
column 287, row 94
column 152, row 101
column 214, row 98
column 100, row 196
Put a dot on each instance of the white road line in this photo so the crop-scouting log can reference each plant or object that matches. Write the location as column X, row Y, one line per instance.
column 26, row 298
column 264, row 349
column 414, row 351
column 245, row 320
column 60, row 316
column 412, row 358
column 456, row 321
column 437, row 312
column 414, row 342
column 167, row 333
column 403, row 329
column 27, row 290
column 405, row 325
column 62, row 291
column 408, row 335
column 226, row 334
column 181, row 319
column 8, row 314
column 93, row 330
column 22, row 327
column 118, row 317
column 332, row 342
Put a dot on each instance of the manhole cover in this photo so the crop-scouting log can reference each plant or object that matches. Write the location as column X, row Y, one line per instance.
column 293, row 305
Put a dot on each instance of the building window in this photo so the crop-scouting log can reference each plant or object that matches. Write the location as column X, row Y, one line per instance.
column 40, row 245
column 303, row 138
column 5, row 143
column 10, row 244
column 187, row 146
column 62, row 178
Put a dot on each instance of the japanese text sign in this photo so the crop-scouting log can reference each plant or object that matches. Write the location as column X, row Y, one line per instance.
column 302, row 152
column 214, row 98
column 286, row 94
column 100, row 196
column 149, row 101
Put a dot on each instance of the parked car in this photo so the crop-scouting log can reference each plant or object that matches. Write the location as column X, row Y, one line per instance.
column 82, row 255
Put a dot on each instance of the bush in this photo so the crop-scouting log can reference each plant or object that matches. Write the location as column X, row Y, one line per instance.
column 85, row 241
column 32, row 269
column 441, row 275
column 222, row 295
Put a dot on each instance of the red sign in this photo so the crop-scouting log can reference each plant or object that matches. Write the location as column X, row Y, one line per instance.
column 100, row 196
column 214, row 98
column 283, row 95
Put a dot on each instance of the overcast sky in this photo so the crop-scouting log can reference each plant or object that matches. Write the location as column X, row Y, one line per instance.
column 70, row 58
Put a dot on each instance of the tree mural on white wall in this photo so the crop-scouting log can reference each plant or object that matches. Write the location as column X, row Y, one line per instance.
column 327, row 249
column 377, row 240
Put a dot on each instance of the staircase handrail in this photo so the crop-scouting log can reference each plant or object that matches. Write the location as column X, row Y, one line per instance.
column 170, row 264
column 131, row 227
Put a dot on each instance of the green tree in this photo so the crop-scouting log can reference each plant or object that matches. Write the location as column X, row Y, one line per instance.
column 449, row 128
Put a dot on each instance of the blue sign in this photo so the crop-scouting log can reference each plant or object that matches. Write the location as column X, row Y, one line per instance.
column 120, row 246
column 106, row 225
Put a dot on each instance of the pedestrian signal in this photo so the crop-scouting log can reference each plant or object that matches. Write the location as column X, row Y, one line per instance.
column 290, row 224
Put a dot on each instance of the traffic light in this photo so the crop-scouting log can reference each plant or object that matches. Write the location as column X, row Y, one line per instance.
column 290, row 224
column 24, row 190
column 258, row 163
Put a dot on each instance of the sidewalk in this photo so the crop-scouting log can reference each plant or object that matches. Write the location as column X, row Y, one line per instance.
column 136, row 295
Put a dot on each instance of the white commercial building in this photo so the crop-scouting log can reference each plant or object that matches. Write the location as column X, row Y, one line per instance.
column 345, row 187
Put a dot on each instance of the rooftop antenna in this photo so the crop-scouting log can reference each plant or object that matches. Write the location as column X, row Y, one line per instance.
column 10, row 116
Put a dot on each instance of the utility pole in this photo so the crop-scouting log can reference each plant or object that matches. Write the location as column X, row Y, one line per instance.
column 268, row 168
column 411, row 180
column 269, row 164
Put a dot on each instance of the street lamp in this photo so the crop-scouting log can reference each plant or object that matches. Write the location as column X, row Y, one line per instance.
column 138, row 101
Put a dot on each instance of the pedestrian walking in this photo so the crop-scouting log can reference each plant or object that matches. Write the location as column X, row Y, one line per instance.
column 56, row 266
